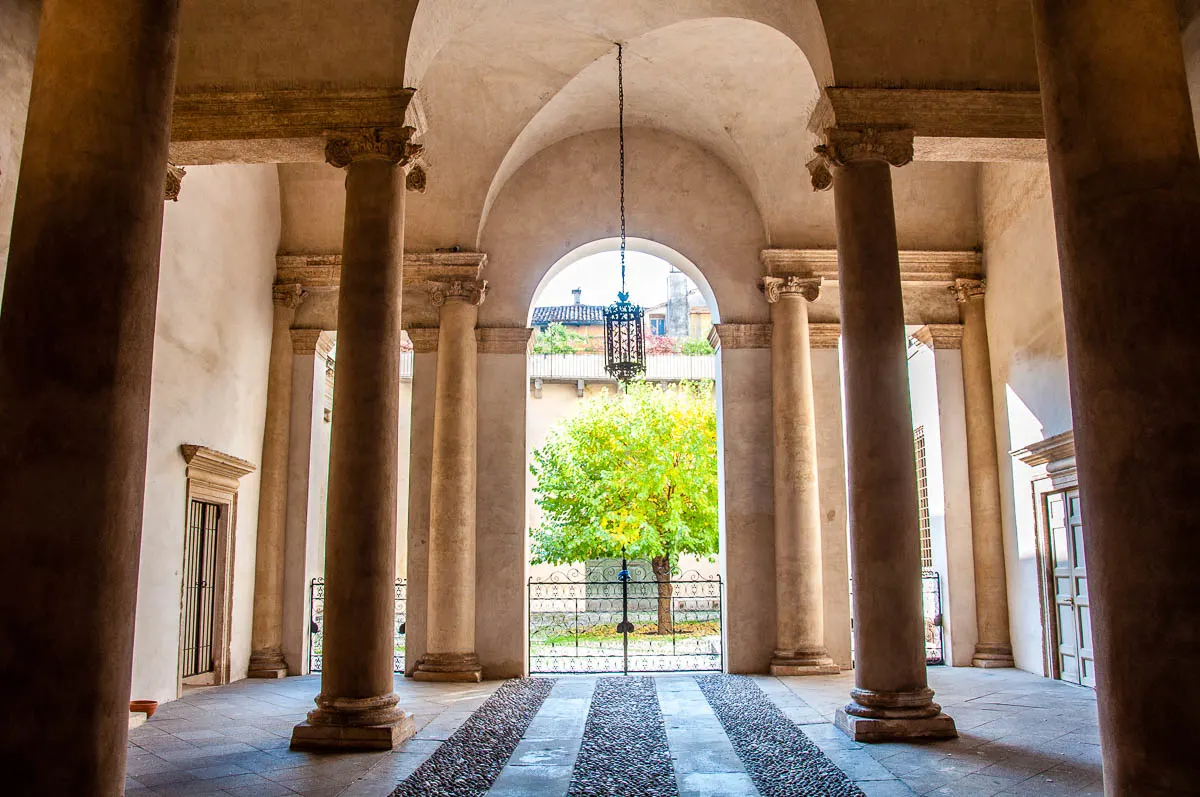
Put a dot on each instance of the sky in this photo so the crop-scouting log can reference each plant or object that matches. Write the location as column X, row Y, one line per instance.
column 599, row 276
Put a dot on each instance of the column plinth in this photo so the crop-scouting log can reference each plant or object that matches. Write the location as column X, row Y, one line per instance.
column 799, row 605
column 994, row 648
column 450, row 612
column 266, row 638
column 891, row 699
column 357, row 707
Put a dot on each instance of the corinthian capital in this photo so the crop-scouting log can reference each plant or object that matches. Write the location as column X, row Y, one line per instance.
column 469, row 291
column 843, row 146
column 776, row 288
column 289, row 295
column 967, row 289
column 174, row 183
column 394, row 145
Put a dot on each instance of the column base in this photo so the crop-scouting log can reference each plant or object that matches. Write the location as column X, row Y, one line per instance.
column 873, row 716
column 989, row 656
column 354, row 724
column 790, row 662
column 449, row 667
column 268, row 664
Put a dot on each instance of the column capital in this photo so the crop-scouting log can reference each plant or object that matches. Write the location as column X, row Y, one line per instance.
column 417, row 178
column 469, row 291
column 967, row 289
column 791, row 286
column 740, row 336
column 424, row 339
column 288, row 295
column 824, row 336
column 343, row 147
column 842, row 146
column 174, row 182
column 312, row 341
column 940, row 336
column 503, row 340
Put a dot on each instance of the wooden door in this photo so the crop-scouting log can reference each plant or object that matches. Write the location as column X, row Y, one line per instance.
column 1072, row 609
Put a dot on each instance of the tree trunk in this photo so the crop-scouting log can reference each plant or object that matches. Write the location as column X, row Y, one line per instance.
column 662, row 574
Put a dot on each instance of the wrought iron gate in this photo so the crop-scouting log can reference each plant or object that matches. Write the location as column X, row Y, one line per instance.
column 199, row 586
column 931, row 609
column 316, row 607
column 621, row 619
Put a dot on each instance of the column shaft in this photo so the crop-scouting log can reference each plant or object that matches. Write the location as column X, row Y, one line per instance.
column 1125, row 177
column 357, row 707
column 800, row 621
column 76, row 344
column 994, row 648
column 266, row 641
column 450, row 608
column 891, row 698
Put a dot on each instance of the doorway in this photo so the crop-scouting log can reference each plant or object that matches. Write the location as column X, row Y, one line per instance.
column 199, row 588
column 1072, row 622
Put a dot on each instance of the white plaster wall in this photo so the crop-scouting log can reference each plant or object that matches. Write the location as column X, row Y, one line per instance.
column 1031, row 389
column 922, row 386
column 209, row 387
column 18, row 43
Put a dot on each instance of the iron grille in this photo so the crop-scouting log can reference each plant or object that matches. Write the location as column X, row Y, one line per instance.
column 199, row 586
column 316, row 638
column 931, row 610
column 575, row 618
column 926, row 527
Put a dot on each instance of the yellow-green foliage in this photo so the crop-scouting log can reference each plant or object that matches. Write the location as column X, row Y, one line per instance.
column 635, row 470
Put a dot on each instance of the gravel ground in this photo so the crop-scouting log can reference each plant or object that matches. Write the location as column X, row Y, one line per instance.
column 467, row 763
column 779, row 758
column 624, row 749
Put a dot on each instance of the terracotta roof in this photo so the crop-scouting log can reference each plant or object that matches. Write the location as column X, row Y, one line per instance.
column 569, row 314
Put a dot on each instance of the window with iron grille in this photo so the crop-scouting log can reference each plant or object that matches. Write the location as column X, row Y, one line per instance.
column 923, row 500
column 199, row 587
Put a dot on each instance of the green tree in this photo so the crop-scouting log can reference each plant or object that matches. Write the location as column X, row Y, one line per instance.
column 696, row 347
column 557, row 339
column 634, row 471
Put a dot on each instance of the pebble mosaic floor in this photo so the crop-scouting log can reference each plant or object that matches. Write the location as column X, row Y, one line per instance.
column 710, row 736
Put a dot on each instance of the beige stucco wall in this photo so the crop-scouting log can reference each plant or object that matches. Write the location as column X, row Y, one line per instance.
column 1031, row 389
column 18, row 42
column 209, row 387
column 831, row 483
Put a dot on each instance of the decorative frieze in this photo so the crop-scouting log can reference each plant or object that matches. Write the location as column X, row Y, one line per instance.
column 503, row 340
column 420, row 268
column 312, row 341
column 343, row 148
column 967, row 289
column 740, row 336
column 794, row 286
column 824, row 336
column 940, row 336
column 916, row 266
column 174, row 182
column 847, row 145
column 469, row 291
column 424, row 339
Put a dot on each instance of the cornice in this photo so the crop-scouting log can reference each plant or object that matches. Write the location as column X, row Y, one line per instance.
column 421, row 269
column 740, row 336
column 503, row 340
column 204, row 461
column 916, row 266
column 940, row 336
column 1053, row 449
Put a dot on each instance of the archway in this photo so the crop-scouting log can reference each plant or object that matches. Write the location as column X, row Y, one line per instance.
column 590, row 609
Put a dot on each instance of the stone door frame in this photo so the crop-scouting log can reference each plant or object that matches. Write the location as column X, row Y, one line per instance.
column 213, row 477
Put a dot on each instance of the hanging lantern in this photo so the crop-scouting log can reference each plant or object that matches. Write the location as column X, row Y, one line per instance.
column 624, row 333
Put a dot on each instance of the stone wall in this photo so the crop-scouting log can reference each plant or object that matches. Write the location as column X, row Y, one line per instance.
column 18, row 42
column 1027, row 338
column 209, row 387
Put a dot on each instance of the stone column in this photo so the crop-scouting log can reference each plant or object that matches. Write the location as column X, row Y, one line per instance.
column 891, row 698
column 799, row 613
column 1125, row 179
column 994, row 648
column 420, row 469
column 450, row 600
column 266, row 637
column 76, row 346
column 357, row 707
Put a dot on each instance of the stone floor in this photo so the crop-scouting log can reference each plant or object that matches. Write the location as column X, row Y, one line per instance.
column 1019, row 735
